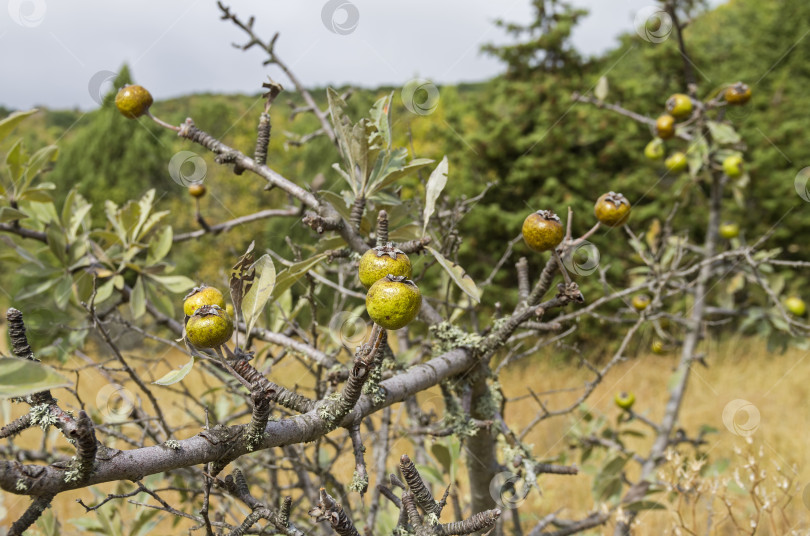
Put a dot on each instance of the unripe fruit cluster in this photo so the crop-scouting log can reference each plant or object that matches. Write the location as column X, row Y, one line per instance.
column 208, row 324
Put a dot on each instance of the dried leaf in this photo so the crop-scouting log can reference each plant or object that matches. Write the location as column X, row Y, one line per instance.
column 176, row 375
column 435, row 185
column 260, row 291
column 459, row 276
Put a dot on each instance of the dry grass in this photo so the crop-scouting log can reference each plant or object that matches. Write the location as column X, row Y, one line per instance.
column 739, row 369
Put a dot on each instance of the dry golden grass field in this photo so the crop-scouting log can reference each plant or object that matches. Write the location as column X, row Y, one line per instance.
column 776, row 384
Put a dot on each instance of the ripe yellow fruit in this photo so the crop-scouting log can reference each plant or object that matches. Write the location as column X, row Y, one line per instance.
column 380, row 261
column 729, row 230
column 640, row 302
column 209, row 327
column 612, row 209
column 393, row 302
column 733, row 166
column 737, row 94
column 657, row 346
column 676, row 162
column 665, row 126
column 542, row 230
column 624, row 400
column 679, row 106
column 196, row 189
column 133, row 101
column 202, row 295
column 795, row 306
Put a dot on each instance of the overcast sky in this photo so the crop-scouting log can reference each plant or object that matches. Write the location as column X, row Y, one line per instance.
column 57, row 53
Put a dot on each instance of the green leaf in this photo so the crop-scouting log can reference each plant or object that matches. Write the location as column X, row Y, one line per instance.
column 63, row 291
column 8, row 124
column 380, row 115
column 393, row 172
column 442, row 455
column 459, row 276
column 435, row 185
column 8, row 214
column 288, row 277
column 14, row 161
column 601, row 91
column 176, row 375
column 56, row 242
column 137, row 299
column 343, row 133
column 638, row 506
column 22, row 377
column 37, row 161
column 173, row 283
column 696, row 155
column 256, row 298
column 723, row 133
column 160, row 246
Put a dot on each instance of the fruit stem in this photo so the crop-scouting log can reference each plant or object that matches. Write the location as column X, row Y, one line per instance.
column 565, row 275
column 162, row 122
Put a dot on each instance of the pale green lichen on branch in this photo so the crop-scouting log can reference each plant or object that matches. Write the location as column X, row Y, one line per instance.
column 359, row 483
column 448, row 337
column 41, row 416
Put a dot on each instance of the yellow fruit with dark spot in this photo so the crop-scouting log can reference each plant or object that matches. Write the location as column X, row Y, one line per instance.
column 733, row 166
column 676, row 162
column 202, row 295
column 209, row 327
column 729, row 230
column 665, row 126
column 624, row 400
column 612, row 209
column 393, row 302
column 133, row 101
column 196, row 189
column 737, row 94
column 640, row 302
column 795, row 306
column 380, row 261
column 657, row 346
column 542, row 230
column 679, row 106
